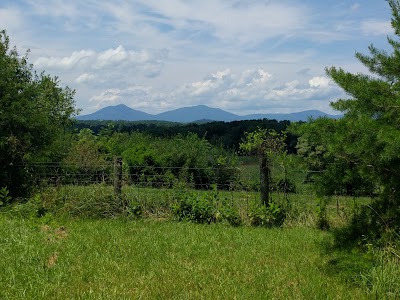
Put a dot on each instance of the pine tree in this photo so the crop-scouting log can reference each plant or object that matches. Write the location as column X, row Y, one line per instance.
column 365, row 144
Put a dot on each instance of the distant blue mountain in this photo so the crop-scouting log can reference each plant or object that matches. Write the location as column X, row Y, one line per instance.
column 117, row 113
column 195, row 114
column 293, row 117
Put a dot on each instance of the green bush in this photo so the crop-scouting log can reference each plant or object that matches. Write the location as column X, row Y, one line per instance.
column 134, row 209
column 267, row 216
column 5, row 198
column 322, row 218
column 195, row 207
column 232, row 216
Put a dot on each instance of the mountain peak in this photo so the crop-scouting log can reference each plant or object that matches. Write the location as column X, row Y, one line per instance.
column 193, row 114
column 119, row 112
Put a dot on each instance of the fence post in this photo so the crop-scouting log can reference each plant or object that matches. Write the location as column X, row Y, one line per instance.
column 264, row 180
column 117, row 176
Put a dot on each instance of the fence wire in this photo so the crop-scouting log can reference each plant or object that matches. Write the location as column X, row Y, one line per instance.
column 157, row 187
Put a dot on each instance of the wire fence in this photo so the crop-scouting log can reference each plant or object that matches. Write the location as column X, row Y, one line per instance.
column 156, row 188
column 287, row 183
column 245, row 178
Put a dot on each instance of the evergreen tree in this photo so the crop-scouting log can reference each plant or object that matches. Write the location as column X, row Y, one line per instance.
column 364, row 146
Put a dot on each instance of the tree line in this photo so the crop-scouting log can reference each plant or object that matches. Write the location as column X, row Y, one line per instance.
column 229, row 135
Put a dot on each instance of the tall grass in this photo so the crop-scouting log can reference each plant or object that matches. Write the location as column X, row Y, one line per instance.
column 80, row 242
column 119, row 259
column 99, row 201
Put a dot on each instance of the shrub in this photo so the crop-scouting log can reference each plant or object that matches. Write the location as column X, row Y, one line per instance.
column 377, row 223
column 5, row 198
column 232, row 216
column 195, row 207
column 134, row 209
column 267, row 216
column 322, row 219
column 285, row 186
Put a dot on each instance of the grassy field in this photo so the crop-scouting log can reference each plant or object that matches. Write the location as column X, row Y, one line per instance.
column 149, row 259
column 81, row 242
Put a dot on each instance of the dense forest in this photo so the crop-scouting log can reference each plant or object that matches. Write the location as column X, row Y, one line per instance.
column 225, row 134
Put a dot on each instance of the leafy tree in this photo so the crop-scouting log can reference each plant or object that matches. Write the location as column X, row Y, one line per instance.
column 87, row 158
column 265, row 144
column 365, row 144
column 34, row 112
column 187, row 158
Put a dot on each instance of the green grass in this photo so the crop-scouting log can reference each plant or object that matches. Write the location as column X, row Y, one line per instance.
column 84, row 246
column 148, row 259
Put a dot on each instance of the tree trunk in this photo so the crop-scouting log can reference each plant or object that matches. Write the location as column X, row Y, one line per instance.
column 264, row 180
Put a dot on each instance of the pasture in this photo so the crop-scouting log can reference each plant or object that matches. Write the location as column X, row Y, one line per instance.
column 80, row 242
column 150, row 259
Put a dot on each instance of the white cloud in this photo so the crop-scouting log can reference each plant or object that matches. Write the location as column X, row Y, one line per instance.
column 317, row 82
column 139, row 97
column 249, row 91
column 78, row 57
column 55, row 8
column 147, row 62
column 85, row 78
column 107, row 97
column 220, row 19
column 376, row 27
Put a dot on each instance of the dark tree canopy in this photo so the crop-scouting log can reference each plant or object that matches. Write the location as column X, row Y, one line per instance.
column 34, row 111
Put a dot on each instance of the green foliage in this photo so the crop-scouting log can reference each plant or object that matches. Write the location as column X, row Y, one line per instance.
column 87, row 158
column 198, row 208
column 94, row 201
column 188, row 159
column 267, row 216
column 225, row 134
column 266, row 144
column 362, row 149
column 382, row 280
column 330, row 166
column 34, row 112
column 321, row 211
column 4, row 196
column 134, row 209
column 263, row 142
column 285, row 185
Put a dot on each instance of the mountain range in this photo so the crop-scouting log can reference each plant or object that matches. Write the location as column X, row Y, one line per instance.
column 199, row 113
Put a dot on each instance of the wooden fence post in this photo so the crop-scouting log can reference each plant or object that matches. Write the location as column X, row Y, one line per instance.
column 265, row 175
column 117, row 176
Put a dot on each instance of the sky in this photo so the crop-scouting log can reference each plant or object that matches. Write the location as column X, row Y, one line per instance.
column 243, row 56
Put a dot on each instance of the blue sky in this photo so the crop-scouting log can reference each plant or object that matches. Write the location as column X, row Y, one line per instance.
column 243, row 56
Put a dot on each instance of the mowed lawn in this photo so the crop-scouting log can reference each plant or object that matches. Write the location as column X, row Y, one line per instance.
column 150, row 259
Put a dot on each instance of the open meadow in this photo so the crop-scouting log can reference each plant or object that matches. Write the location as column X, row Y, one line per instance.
column 149, row 259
